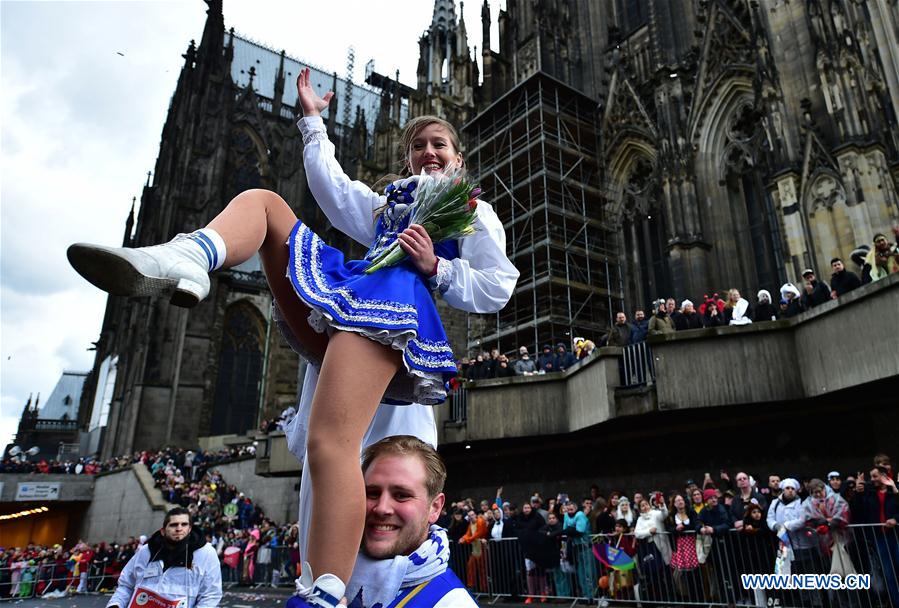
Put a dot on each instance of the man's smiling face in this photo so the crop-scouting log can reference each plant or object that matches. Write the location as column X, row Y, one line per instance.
column 398, row 508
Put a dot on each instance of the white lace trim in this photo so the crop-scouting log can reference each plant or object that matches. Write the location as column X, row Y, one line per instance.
column 312, row 130
column 444, row 277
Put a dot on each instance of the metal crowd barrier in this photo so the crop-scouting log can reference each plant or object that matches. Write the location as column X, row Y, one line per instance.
column 273, row 567
column 637, row 368
column 23, row 581
column 689, row 569
column 458, row 402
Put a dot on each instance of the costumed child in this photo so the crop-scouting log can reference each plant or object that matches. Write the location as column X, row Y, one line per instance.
column 371, row 335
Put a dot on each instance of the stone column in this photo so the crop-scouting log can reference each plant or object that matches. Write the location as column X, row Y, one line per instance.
column 791, row 214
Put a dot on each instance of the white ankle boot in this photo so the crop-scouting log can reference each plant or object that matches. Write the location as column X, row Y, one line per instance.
column 172, row 268
column 325, row 592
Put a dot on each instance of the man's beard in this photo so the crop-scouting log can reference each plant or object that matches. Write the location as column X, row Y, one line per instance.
column 409, row 538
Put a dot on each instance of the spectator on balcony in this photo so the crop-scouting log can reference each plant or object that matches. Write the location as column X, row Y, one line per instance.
column 477, row 370
column 711, row 311
column 670, row 306
column 491, row 363
column 842, row 281
column 640, row 327
column 563, row 359
column 687, row 317
column 525, row 366
column 682, row 524
column 503, row 369
column 736, row 309
column 660, row 323
column 545, row 363
column 794, row 306
column 882, row 260
column 583, row 348
column 746, row 495
column 621, row 333
column 816, row 292
column 764, row 310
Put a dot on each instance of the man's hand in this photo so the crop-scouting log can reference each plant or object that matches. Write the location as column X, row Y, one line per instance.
column 833, row 294
column 417, row 244
column 860, row 482
column 312, row 104
column 890, row 523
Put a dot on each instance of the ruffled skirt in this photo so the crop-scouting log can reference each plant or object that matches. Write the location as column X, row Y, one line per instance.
column 392, row 306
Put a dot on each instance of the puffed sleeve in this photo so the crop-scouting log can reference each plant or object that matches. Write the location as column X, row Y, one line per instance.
column 482, row 278
column 349, row 205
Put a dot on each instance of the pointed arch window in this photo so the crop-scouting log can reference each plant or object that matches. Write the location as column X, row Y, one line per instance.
column 239, row 371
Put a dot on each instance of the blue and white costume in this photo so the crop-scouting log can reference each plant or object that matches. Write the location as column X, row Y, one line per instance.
column 394, row 305
column 474, row 274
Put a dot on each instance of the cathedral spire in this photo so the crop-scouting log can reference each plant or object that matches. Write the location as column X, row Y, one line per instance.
column 444, row 15
column 213, row 39
column 129, row 224
column 279, row 87
column 485, row 27
column 462, row 36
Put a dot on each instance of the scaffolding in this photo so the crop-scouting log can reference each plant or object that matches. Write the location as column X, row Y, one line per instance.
column 535, row 154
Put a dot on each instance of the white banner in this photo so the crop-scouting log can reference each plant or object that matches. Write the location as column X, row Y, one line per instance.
column 37, row 491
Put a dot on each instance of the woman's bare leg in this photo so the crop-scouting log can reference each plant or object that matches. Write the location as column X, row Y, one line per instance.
column 260, row 220
column 353, row 378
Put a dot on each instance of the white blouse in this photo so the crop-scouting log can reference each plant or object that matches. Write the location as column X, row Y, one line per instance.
column 480, row 280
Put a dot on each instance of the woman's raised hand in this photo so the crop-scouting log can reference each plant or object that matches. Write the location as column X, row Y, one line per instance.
column 311, row 103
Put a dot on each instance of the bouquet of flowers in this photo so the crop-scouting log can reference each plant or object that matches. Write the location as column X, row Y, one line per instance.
column 445, row 205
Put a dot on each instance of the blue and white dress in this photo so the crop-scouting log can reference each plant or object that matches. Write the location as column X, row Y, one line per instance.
column 393, row 305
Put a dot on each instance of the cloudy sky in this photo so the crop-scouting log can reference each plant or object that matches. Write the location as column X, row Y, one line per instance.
column 86, row 86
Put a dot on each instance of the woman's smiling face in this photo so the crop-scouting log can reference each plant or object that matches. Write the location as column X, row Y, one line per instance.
column 432, row 150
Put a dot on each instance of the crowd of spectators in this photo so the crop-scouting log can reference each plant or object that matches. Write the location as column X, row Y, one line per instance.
column 667, row 316
column 707, row 532
column 253, row 549
column 92, row 465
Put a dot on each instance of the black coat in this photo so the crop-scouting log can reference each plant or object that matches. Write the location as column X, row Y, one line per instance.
column 544, row 546
column 683, row 321
column 794, row 308
column 844, row 282
column 820, row 295
column 738, row 508
column 865, row 506
column 764, row 312
column 718, row 519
